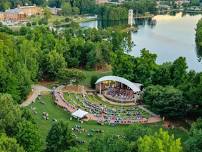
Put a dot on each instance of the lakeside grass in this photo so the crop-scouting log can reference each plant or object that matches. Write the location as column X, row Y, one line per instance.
column 58, row 113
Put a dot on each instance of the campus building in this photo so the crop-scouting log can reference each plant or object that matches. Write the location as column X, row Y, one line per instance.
column 20, row 13
column 1, row 16
column 101, row 1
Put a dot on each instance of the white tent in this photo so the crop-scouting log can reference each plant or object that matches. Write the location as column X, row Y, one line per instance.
column 79, row 113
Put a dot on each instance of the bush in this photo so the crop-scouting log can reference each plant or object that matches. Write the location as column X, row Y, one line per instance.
column 93, row 80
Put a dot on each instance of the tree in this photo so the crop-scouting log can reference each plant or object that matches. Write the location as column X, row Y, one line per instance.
column 9, row 144
column 135, row 131
column 69, row 76
column 53, row 63
column 109, row 144
column 94, row 78
column 59, row 138
column 10, row 114
column 145, row 67
column 66, row 9
column 166, row 101
column 178, row 71
column 123, row 65
column 47, row 13
column 162, row 75
column 28, row 136
column 159, row 142
column 194, row 142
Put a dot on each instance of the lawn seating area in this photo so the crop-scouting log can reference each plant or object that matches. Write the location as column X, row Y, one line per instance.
column 105, row 112
column 84, row 132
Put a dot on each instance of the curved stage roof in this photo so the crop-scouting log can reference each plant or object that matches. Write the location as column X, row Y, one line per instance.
column 134, row 86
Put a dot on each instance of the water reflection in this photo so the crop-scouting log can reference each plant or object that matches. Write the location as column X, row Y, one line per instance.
column 169, row 36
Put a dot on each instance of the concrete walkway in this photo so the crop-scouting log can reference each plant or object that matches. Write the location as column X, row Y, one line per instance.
column 36, row 91
column 148, row 111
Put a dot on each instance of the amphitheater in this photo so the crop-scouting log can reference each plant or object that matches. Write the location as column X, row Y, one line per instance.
column 115, row 101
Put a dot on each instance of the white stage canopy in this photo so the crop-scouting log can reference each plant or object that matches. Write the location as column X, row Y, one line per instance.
column 79, row 113
column 134, row 86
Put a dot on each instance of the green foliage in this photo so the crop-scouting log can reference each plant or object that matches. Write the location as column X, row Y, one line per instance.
column 135, row 131
column 28, row 136
column 53, row 63
column 112, row 13
column 9, row 144
column 59, row 138
column 141, row 6
column 94, row 78
column 178, row 71
column 194, row 143
column 198, row 38
column 159, row 142
column 138, row 69
column 22, row 55
column 66, row 9
column 166, row 101
column 10, row 114
column 69, row 76
column 109, row 144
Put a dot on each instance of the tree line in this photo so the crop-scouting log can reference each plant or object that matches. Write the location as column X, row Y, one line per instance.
column 170, row 89
column 39, row 53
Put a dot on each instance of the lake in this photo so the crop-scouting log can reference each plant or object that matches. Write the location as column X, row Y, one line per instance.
column 171, row 37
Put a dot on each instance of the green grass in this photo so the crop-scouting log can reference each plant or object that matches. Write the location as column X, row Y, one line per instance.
column 59, row 114
column 90, row 74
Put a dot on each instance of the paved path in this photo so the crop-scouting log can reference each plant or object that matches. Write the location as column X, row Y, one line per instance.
column 148, row 111
column 36, row 90
column 61, row 102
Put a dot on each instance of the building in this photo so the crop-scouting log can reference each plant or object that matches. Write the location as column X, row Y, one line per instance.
column 54, row 10
column 118, row 89
column 20, row 13
column 101, row 1
column 1, row 16
column 181, row 2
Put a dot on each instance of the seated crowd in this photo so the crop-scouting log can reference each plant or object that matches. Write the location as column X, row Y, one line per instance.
column 121, row 94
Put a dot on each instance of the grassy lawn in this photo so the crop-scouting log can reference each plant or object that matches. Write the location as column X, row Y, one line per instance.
column 85, row 82
column 90, row 74
column 59, row 114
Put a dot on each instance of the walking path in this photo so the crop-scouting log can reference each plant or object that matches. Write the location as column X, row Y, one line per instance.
column 148, row 111
column 36, row 91
column 61, row 102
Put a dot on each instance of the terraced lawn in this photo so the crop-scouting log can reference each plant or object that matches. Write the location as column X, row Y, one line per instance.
column 87, row 127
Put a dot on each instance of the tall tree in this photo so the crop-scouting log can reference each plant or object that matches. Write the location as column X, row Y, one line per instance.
column 159, row 142
column 9, row 144
column 10, row 114
column 59, row 138
column 28, row 136
column 166, row 101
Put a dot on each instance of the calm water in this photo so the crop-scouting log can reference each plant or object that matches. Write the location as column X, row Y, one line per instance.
column 170, row 38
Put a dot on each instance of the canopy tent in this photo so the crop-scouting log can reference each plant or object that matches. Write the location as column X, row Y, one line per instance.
column 134, row 86
column 79, row 113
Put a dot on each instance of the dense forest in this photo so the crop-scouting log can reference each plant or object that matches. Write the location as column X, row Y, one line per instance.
column 199, row 38
column 178, row 89
column 39, row 53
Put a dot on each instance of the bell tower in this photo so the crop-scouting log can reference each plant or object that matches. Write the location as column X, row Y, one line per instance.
column 130, row 17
